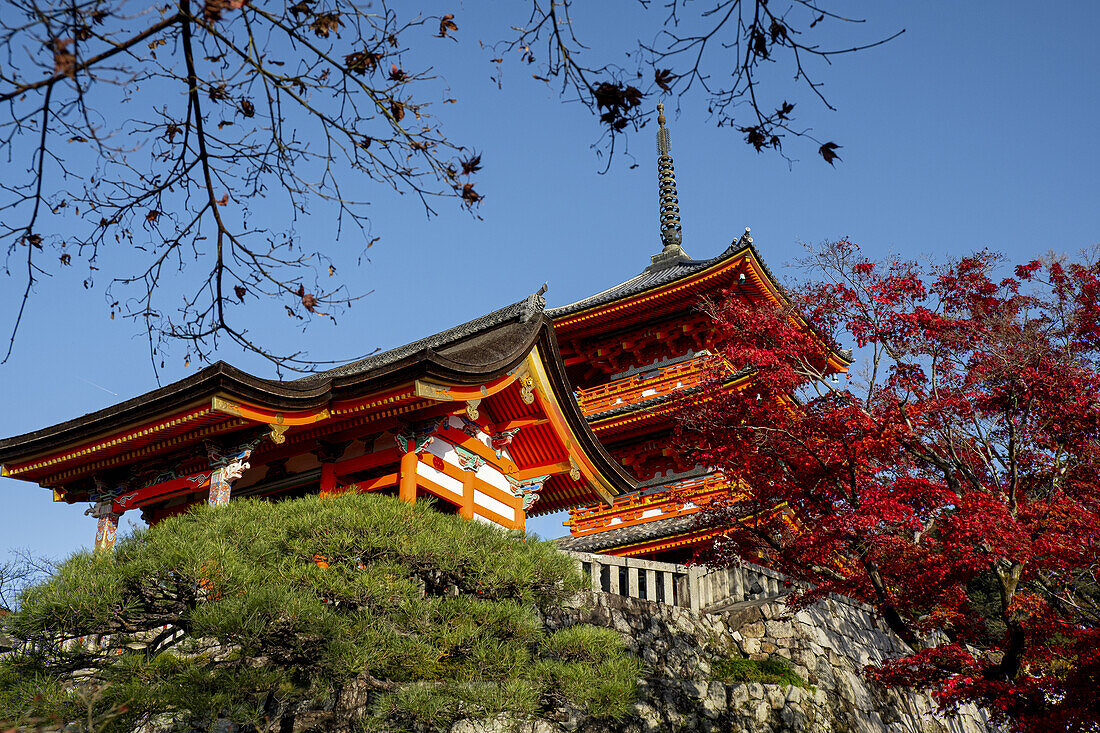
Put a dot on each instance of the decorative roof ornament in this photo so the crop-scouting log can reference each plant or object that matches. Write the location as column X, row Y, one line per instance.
column 671, row 233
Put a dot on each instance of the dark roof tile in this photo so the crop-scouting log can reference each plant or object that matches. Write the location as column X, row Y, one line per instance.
column 623, row 536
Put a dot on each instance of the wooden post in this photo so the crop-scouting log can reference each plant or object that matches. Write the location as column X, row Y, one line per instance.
column 466, row 511
column 521, row 516
column 328, row 479
column 219, row 488
column 406, row 487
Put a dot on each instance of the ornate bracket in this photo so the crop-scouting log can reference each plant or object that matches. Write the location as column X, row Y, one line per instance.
column 527, row 389
column 277, row 434
column 471, row 409
column 416, row 438
column 228, row 465
column 527, row 490
column 468, row 460
column 503, row 439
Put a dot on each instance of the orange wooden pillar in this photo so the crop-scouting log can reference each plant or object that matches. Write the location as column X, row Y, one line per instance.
column 466, row 511
column 406, row 487
column 328, row 479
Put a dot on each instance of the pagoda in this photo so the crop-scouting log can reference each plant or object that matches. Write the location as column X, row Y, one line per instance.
column 633, row 348
column 480, row 419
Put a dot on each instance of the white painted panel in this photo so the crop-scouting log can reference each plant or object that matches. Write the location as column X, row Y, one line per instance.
column 457, row 423
column 651, row 513
column 444, row 450
column 451, row 484
column 494, row 478
column 494, row 505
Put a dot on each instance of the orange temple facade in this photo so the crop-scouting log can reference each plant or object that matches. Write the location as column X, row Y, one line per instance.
column 479, row 418
column 631, row 351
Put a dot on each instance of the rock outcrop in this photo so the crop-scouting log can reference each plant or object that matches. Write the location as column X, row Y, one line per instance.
column 827, row 646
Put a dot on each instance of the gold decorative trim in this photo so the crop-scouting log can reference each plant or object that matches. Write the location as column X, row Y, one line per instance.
column 276, row 433
column 143, row 451
column 95, row 448
column 430, row 391
column 219, row 404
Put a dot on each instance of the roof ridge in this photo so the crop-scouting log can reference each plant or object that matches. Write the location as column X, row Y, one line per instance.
column 648, row 278
column 523, row 310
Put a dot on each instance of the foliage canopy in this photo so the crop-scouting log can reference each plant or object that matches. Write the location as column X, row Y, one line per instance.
column 954, row 484
column 355, row 611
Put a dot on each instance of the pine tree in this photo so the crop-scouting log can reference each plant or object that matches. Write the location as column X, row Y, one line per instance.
column 320, row 614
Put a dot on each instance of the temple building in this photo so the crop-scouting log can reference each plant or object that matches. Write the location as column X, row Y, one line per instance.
column 522, row 412
column 480, row 418
column 629, row 351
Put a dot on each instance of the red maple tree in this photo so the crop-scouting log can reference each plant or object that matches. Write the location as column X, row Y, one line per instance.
column 953, row 483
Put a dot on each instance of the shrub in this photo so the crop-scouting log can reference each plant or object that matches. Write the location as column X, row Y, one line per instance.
column 771, row 671
column 256, row 611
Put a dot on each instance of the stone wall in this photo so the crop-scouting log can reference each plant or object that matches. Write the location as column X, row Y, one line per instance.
column 827, row 645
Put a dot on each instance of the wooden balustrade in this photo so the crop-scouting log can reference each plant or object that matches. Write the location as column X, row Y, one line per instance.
column 685, row 497
column 637, row 388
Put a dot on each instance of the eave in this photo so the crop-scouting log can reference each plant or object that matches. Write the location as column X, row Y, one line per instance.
column 481, row 364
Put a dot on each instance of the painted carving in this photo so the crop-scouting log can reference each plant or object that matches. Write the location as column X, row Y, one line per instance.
column 105, row 491
column 471, row 428
column 527, row 390
column 228, row 467
column 106, row 532
column 416, row 438
column 122, row 501
column 107, row 526
column 503, row 439
column 468, row 460
column 527, row 490
column 235, row 469
column 219, row 404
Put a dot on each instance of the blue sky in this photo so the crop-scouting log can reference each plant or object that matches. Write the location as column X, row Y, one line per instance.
column 977, row 128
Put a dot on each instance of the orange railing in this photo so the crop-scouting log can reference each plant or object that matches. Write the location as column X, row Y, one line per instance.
column 635, row 389
column 686, row 497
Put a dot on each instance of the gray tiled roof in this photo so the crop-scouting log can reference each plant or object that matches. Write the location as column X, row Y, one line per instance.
column 523, row 311
column 632, row 535
column 649, row 278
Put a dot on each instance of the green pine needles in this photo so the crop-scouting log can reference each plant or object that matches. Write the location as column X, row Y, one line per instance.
column 353, row 613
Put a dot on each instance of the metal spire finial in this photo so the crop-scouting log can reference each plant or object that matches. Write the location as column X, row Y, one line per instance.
column 671, row 234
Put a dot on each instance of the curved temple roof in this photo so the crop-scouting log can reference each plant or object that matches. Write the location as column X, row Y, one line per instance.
column 466, row 353
column 685, row 274
column 491, row 350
